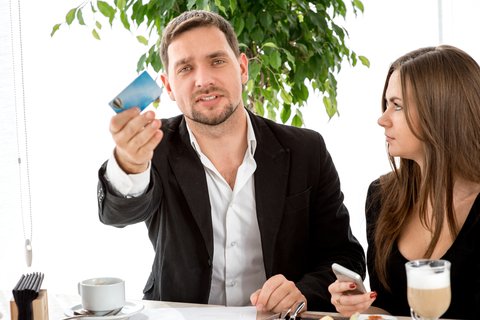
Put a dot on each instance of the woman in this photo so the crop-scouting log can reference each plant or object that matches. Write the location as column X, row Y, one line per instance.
column 429, row 205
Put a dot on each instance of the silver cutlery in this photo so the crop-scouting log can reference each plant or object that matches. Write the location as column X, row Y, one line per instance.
column 297, row 310
column 82, row 313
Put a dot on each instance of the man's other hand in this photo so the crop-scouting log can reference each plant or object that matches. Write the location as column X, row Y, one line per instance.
column 277, row 294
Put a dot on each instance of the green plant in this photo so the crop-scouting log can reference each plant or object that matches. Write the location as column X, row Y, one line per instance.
column 291, row 44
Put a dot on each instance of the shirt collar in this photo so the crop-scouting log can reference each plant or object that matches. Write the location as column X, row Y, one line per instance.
column 251, row 140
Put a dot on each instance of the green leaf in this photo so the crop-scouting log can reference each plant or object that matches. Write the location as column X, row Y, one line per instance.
column 285, row 96
column 98, row 25
column 238, row 25
column 107, row 10
column 80, row 17
column 55, row 29
column 70, row 16
column 191, row 4
column 300, row 91
column 285, row 113
column 330, row 107
column 141, row 62
column 259, row 108
column 124, row 20
column 156, row 103
column 251, row 21
column 271, row 113
column 265, row 20
column 364, row 61
column 233, row 6
column 203, row 5
column 95, row 34
column 275, row 59
column 281, row 3
column 253, row 69
column 269, row 45
column 250, row 85
column 121, row 4
column 142, row 40
column 290, row 57
column 298, row 118
column 257, row 35
column 218, row 4
column 358, row 4
column 297, row 121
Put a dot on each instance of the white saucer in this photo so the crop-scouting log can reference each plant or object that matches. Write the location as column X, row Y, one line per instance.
column 376, row 316
column 127, row 311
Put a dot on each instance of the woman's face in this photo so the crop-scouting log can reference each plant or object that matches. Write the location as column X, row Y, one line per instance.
column 400, row 138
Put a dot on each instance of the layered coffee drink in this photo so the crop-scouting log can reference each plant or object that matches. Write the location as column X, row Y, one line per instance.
column 428, row 283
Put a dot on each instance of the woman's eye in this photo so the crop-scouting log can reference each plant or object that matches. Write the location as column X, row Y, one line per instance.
column 397, row 107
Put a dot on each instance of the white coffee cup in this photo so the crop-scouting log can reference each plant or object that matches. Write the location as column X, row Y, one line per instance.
column 101, row 295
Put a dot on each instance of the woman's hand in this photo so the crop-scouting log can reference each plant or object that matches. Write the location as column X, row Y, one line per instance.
column 348, row 304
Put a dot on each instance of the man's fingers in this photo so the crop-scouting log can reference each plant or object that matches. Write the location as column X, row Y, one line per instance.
column 268, row 288
column 277, row 294
column 121, row 119
column 283, row 297
column 132, row 128
column 254, row 297
column 145, row 138
column 136, row 136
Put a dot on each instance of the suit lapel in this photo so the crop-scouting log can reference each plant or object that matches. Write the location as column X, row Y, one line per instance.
column 190, row 175
column 271, row 177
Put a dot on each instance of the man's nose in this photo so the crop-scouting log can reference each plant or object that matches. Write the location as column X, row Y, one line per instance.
column 203, row 77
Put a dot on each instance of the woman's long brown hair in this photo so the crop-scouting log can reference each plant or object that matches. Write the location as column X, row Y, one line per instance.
column 444, row 85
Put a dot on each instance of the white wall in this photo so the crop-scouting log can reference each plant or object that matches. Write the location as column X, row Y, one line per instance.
column 70, row 78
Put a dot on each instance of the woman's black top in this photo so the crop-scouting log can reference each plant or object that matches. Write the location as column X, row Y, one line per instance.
column 464, row 255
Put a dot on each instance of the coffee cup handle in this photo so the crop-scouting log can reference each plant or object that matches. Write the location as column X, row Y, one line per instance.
column 79, row 288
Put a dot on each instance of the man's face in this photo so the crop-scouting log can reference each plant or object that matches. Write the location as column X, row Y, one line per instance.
column 204, row 76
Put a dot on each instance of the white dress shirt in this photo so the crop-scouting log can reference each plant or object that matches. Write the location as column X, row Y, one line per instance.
column 238, row 267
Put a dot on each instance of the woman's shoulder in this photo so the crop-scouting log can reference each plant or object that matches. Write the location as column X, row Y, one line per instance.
column 374, row 198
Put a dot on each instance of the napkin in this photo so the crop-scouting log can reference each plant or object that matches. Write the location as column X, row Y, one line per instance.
column 25, row 292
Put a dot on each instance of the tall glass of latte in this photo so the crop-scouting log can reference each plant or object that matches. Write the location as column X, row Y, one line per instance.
column 428, row 288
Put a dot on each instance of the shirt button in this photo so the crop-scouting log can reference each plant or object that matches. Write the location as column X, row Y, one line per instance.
column 232, row 283
column 233, row 244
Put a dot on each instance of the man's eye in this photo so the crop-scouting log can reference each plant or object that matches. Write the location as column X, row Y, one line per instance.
column 184, row 69
column 217, row 62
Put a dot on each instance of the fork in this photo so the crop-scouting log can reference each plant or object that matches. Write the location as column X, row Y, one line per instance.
column 297, row 310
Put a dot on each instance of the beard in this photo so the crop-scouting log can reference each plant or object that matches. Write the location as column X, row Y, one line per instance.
column 201, row 118
column 209, row 120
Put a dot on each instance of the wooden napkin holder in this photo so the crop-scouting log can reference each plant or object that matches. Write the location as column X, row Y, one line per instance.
column 39, row 307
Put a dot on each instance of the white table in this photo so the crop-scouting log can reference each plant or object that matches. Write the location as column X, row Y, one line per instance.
column 58, row 303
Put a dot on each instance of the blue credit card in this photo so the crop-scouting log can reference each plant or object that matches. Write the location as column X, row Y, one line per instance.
column 140, row 93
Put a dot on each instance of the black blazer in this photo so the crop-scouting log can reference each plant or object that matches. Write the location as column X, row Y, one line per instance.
column 303, row 223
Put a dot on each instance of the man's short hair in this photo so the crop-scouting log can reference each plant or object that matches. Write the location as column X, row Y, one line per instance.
column 194, row 19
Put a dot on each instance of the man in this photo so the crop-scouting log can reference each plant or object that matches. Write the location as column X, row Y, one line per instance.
column 239, row 209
